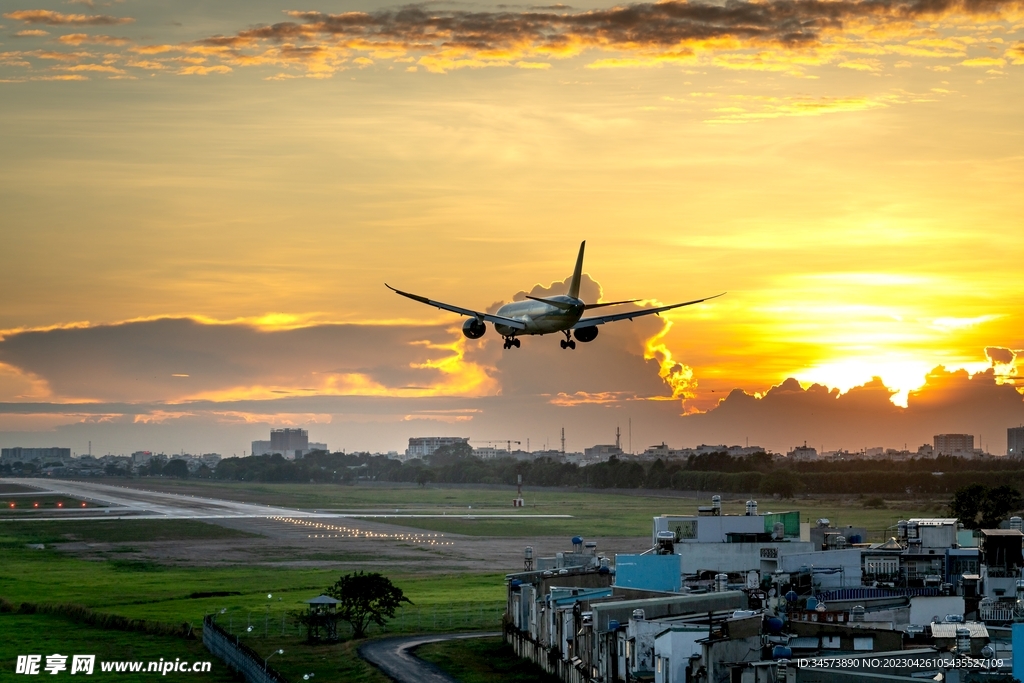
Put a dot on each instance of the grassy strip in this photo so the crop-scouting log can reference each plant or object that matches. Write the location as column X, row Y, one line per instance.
column 80, row 614
column 483, row 660
column 112, row 531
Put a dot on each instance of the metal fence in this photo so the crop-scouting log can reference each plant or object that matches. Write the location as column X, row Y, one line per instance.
column 238, row 656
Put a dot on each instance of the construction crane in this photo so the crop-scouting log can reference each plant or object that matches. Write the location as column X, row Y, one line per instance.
column 508, row 442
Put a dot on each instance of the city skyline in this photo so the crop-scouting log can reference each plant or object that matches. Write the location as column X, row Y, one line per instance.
column 203, row 204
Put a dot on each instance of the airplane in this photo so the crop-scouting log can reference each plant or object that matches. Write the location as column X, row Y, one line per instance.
column 562, row 313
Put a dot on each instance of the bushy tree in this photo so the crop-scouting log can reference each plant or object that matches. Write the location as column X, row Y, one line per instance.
column 366, row 599
column 979, row 507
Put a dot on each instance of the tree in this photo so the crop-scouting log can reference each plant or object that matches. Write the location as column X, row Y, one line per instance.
column 365, row 599
column 992, row 504
column 998, row 504
column 176, row 468
column 779, row 483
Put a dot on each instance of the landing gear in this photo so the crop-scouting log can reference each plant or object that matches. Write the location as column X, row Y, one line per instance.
column 568, row 342
column 512, row 341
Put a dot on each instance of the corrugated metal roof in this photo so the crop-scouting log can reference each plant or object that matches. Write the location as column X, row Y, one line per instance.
column 943, row 630
column 803, row 643
column 1001, row 532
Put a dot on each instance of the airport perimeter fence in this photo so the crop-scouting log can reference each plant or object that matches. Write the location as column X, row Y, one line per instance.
column 237, row 655
column 409, row 619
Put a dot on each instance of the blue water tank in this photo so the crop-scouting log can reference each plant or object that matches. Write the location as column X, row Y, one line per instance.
column 516, row 583
column 812, row 603
column 782, row 652
column 577, row 540
column 855, row 538
column 774, row 625
column 613, row 625
column 791, row 596
column 604, row 570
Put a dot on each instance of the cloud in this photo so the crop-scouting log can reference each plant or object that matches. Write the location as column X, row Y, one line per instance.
column 84, row 38
column 1000, row 356
column 144, row 361
column 786, row 36
column 31, row 33
column 51, row 18
column 787, row 415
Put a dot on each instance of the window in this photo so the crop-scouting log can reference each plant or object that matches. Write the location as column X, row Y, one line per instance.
column 863, row 644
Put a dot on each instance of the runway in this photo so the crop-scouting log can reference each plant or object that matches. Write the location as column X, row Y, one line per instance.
column 142, row 504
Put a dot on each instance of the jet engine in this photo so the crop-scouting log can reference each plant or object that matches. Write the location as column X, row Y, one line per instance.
column 473, row 328
column 586, row 334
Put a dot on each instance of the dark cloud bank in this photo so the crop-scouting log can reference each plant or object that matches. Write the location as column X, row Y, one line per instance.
column 126, row 373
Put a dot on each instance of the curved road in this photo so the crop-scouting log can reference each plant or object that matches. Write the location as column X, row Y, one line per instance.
column 394, row 657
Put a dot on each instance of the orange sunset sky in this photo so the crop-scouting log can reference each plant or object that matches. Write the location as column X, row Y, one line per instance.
column 201, row 203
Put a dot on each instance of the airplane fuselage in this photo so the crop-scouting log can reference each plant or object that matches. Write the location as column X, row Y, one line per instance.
column 540, row 317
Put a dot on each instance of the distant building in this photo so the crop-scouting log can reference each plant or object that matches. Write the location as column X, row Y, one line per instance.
column 602, row 452
column 141, row 457
column 954, row 444
column 804, row 452
column 424, row 446
column 291, row 443
column 1015, row 442
column 20, row 454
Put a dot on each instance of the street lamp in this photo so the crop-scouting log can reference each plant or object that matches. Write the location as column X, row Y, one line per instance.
column 306, row 677
column 278, row 652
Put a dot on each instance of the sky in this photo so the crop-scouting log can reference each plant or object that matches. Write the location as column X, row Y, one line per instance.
column 202, row 203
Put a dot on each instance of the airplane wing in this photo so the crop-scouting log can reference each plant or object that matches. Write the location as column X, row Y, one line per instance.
column 501, row 320
column 602, row 319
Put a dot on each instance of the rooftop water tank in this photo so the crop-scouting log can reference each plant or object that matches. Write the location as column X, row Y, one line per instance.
column 613, row 625
column 751, row 508
column 721, row 582
column 963, row 640
column 638, row 614
column 812, row 603
column 901, row 529
column 528, row 553
column 782, row 652
column 857, row 613
column 778, row 530
column 1016, row 523
column 774, row 625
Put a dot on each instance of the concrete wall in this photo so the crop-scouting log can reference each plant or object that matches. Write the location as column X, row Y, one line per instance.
column 731, row 557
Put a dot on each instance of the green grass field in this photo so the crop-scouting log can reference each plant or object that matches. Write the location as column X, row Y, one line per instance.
column 483, row 660
column 175, row 595
column 44, row 634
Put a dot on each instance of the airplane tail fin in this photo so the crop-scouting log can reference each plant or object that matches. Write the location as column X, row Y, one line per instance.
column 574, row 284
